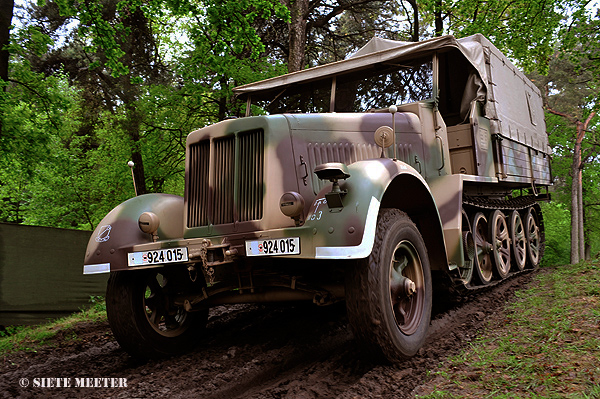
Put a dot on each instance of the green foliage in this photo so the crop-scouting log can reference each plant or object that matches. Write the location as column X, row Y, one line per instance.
column 570, row 91
column 97, row 304
column 526, row 31
column 557, row 224
column 581, row 39
column 229, row 24
column 34, row 111
column 591, row 196
column 77, row 110
column 224, row 51
column 10, row 330
column 104, row 35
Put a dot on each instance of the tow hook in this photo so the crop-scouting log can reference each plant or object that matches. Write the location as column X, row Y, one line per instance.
column 212, row 255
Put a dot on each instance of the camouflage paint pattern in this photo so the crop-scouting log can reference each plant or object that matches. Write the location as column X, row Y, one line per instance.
column 118, row 232
column 342, row 233
column 242, row 167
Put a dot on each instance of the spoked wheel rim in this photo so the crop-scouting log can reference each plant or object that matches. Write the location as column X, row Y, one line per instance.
column 407, row 287
column 500, row 243
column 519, row 241
column 466, row 270
column 533, row 238
column 166, row 320
column 483, row 248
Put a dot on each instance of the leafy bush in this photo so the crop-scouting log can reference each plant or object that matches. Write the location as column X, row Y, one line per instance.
column 557, row 225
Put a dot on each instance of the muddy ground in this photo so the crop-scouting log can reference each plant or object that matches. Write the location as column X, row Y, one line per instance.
column 256, row 351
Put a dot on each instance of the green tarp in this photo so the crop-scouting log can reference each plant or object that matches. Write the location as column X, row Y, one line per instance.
column 41, row 273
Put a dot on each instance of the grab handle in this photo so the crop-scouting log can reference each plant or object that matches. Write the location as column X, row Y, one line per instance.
column 441, row 151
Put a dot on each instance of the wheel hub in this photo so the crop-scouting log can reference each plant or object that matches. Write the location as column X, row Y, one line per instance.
column 405, row 275
column 407, row 288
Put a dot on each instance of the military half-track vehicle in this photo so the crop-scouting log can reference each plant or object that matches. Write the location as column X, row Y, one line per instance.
column 364, row 180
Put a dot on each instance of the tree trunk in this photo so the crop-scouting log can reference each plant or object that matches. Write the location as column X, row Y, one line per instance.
column 415, row 32
column 222, row 101
column 580, row 215
column 130, row 94
column 577, row 228
column 132, row 127
column 439, row 20
column 6, row 13
column 575, row 203
column 581, row 128
column 588, row 250
column 297, row 34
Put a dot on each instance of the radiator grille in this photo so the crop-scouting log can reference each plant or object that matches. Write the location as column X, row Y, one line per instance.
column 235, row 176
column 224, row 160
column 251, row 171
column 198, row 191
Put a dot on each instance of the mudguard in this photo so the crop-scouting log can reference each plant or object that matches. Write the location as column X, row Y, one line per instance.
column 349, row 232
column 116, row 234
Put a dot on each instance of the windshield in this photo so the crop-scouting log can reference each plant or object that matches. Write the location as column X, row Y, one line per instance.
column 306, row 98
column 377, row 87
column 395, row 85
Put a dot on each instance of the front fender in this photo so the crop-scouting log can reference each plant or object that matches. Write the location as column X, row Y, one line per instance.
column 349, row 232
column 115, row 235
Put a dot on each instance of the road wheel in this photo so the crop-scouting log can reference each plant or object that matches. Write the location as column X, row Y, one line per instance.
column 388, row 295
column 500, row 236
column 483, row 248
column 519, row 242
column 466, row 270
column 143, row 320
column 533, row 236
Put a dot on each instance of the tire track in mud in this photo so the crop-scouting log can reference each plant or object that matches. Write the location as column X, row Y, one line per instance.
column 256, row 351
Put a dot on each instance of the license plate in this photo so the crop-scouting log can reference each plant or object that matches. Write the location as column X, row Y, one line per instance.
column 277, row 246
column 158, row 257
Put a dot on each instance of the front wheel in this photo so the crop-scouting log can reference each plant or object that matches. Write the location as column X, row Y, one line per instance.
column 389, row 294
column 143, row 318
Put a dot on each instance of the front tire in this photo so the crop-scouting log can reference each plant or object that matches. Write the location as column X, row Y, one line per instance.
column 389, row 294
column 142, row 317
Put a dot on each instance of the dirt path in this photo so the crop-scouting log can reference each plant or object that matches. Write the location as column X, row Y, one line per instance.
column 255, row 351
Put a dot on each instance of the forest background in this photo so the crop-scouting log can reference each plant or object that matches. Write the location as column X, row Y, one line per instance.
column 87, row 85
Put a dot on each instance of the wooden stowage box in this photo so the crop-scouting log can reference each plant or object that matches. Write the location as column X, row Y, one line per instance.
column 460, row 141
